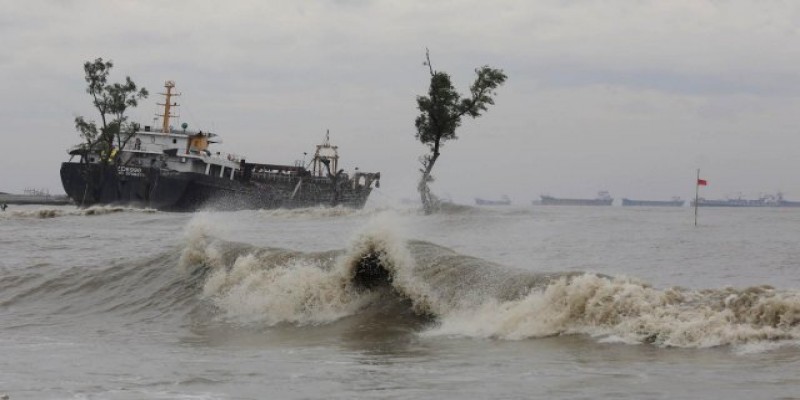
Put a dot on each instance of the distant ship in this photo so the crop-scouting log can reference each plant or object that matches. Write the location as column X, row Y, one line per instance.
column 175, row 169
column 602, row 199
column 504, row 201
column 34, row 196
column 776, row 200
column 675, row 202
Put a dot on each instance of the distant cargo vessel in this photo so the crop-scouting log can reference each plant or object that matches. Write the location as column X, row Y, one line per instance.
column 603, row 199
column 675, row 202
column 504, row 201
column 776, row 200
column 34, row 196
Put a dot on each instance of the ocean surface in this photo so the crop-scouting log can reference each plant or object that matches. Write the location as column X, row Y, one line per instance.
column 472, row 303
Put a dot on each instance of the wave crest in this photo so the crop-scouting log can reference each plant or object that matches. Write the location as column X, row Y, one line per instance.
column 468, row 296
column 626, row 310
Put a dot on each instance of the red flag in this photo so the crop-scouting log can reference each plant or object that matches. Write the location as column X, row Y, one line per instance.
column 702, row 182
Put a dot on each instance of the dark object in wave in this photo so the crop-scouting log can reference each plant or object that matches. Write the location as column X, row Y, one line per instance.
column 504, row 201
column 763, row 201
column 675, row 202
column 170, row 169
column 370, row 272
column 603, row 199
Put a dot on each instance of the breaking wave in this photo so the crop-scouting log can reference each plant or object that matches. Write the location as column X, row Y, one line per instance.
column 470, row 297
column 212, row 280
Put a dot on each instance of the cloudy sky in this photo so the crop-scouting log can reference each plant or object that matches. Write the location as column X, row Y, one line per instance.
column 627, row 96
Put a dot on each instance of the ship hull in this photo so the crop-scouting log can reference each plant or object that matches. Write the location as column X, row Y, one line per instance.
column 482, row 202
column 93, row 184
column 653, row 203
column 553, row 201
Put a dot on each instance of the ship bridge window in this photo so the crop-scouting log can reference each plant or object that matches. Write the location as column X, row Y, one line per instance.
column 215, row 170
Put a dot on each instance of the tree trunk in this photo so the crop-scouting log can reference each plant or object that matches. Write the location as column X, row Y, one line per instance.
column 429, row 202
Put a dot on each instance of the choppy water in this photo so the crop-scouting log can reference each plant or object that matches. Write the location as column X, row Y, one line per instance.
column 526, row 302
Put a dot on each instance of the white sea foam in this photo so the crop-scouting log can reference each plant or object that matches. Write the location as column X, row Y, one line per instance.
column 45, row 213
column 632, row 312
column 273, row 286
column 298, row 292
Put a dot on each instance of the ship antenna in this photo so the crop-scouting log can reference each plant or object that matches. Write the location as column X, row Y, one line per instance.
column 169, row 85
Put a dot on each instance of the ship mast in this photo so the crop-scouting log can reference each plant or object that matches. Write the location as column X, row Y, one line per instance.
column 326, row 154
column 169, row 85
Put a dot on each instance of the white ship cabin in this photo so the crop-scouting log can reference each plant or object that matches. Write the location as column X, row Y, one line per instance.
column 180, row 150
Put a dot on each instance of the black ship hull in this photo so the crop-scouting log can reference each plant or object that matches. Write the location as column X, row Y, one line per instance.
column 552, row 201
column 482, row 202
column 162, row 189
column 653, row 203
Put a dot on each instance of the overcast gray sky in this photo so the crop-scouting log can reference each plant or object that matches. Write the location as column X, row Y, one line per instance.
column 627, row 96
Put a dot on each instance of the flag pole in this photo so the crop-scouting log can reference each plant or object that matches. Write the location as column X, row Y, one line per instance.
column 696, row 195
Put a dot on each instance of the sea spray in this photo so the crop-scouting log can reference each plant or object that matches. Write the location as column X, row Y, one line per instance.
column 255, row 289
column 266, row 285
column 633, row 312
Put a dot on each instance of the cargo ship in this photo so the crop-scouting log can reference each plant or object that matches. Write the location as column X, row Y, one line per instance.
column 504, row 201
column 776, row 200
column 34, row 196
column 675, row 202
column 602, row 199
column 177, row 170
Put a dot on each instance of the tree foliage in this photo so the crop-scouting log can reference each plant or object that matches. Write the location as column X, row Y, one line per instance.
column 440, row 116
column 111, row 100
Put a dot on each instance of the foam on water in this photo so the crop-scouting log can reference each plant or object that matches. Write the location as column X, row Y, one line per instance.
column 71, row 211
column 628, row 311
column 272, row 286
